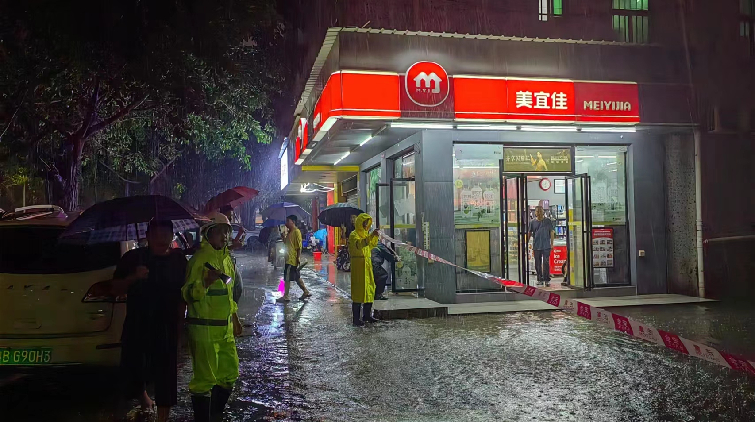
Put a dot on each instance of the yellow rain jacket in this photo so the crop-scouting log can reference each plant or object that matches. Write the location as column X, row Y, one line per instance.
column 211, row 341
column 361, row 243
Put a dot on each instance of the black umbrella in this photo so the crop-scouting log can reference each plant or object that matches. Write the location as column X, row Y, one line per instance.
column 123, row 219
column 338, row 215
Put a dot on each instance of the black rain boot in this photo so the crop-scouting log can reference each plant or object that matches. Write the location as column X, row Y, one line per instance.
column 368, row 313
column 201, row 405
column 356, row 311
column 220, row 398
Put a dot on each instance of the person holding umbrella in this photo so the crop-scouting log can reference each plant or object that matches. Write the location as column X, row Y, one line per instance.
column 212, row 321
column 361, row 243
column 153, row 277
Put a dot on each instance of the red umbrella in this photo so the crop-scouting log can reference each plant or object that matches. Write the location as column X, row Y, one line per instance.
column 232, row 197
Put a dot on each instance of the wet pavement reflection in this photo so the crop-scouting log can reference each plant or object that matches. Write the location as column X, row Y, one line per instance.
column 304, row 361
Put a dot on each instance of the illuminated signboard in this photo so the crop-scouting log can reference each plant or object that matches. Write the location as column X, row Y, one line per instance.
column 538, row 160
column 284, row 169
column 427, row 84
column 383, row 95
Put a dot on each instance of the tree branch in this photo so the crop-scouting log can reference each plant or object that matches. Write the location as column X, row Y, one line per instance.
column 160, row 173
column 93, row 102
column 58, row 127
column 114, row 118
column 118, row 175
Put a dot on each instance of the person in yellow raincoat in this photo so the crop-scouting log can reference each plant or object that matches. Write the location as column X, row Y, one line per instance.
column 361, row 243
column 212, row 322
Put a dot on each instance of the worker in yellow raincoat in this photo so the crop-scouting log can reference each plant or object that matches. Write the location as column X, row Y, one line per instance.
column 212, row 321
column 361, row 243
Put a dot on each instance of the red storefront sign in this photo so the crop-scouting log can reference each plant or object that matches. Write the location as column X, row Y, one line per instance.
column 540, row 100
column 302, row 138
column 381, row 95
column 427, row 84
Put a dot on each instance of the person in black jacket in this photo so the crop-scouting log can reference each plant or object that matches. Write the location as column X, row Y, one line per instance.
column 153, row 277
column 380, row 254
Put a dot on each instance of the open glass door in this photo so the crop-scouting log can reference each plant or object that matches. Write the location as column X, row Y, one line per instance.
column 514, row 230
column 383, row 207
column 403, row 227
column 578, row 231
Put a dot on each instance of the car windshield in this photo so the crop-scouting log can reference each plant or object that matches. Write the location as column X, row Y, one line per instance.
column 36, row 250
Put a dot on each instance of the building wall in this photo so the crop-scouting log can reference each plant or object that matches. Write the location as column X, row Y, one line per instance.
column 720, row 68
column 728, row 210
column 679, row 171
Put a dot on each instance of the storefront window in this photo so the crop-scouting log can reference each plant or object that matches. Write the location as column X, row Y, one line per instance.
column 403, row 167
column 477, row 194
column 477, row 214
column 373, row 178
column 606, row 168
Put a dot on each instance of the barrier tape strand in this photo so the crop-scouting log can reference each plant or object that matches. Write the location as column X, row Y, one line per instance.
column 612, row 320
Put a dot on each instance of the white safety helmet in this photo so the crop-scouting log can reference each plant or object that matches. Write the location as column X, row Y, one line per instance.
column 216, row 219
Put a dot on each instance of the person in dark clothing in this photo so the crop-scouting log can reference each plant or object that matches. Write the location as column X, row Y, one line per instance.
column 380, row 254
column 153, row 277
column 542, row 234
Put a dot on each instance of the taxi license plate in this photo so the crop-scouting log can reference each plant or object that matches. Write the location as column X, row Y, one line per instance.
column 25, row 356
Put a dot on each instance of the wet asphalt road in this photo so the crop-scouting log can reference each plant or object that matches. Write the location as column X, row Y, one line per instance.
column 305, row 362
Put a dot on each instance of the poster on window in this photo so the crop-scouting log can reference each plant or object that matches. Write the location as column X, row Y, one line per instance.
column 478, row 250
column 477, row 191
column 602, row 247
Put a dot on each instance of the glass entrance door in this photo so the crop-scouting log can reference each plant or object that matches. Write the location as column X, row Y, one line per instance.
column 514, row 208
column 403, row 227
column 383, row 207
column 579, row 233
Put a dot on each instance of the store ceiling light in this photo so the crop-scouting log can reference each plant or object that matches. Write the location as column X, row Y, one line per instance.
column 341, row 159
column 620, row 129
column 328, row 124
column 613, row 157
column 611, row 164
column 410, row 125
column 549, row 128
column 366, row 140
column 486, row 127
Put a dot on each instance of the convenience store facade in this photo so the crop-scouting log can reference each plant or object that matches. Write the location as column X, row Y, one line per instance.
column 455, row 160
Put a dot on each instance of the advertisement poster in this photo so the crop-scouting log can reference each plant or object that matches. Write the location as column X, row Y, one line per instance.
column 478, row 250
column 538, row 160
column 602, row 247
column 558, row 258
column 477, row 192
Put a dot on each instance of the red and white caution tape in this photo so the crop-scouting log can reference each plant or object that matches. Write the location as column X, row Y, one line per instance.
column 617, row 322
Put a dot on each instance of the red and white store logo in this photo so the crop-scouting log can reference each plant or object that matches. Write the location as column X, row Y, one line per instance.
column 427, row 84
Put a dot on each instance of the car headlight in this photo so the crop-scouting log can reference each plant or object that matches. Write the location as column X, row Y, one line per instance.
column 282, row 251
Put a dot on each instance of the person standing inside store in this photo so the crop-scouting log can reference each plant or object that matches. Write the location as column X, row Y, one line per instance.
column 153, row 277
column 543, row 235
column 293, row 242
column 361, row 244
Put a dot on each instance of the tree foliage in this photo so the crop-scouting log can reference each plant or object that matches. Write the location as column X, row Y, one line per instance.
column 132, row 89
